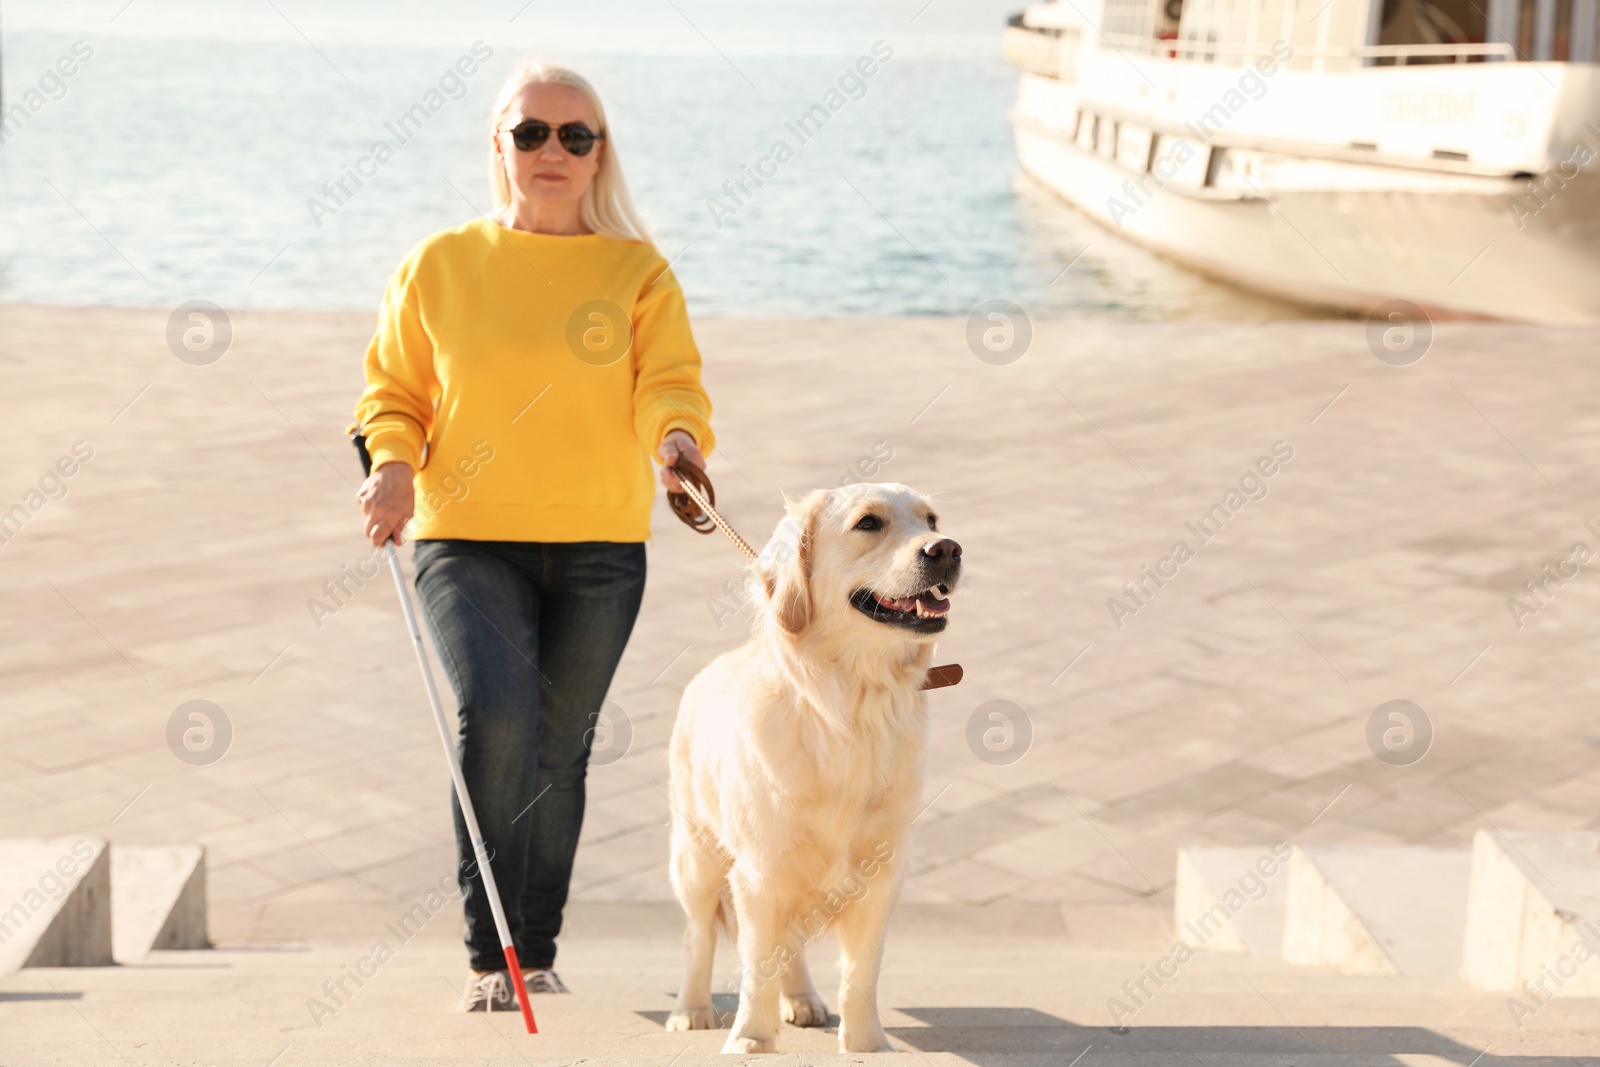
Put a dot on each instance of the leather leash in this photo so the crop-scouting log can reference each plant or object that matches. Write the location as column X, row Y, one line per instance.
column 696, row 506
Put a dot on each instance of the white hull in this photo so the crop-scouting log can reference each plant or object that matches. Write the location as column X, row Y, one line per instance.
column 1455, row 254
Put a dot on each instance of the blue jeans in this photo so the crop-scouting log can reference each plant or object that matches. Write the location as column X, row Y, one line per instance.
column 530, row 634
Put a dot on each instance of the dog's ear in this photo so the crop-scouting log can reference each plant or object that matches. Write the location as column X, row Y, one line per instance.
column 785, row 564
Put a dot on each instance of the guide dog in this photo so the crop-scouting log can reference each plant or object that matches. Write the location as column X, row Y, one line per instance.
column 797, row 761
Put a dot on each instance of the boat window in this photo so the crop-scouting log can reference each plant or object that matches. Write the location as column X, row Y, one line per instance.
column 1546, row 30
column 1428, row 22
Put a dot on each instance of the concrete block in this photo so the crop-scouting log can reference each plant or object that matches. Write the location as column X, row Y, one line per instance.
column 158, row 899
column 1377, row 909
column 1533, row 913
column 55, row 903
column 1231, row 899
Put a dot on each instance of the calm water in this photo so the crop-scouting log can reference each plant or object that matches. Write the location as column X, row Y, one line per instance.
column 177, row 162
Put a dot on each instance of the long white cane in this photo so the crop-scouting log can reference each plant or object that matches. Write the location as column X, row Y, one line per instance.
column 514, row 969
column 468, row 814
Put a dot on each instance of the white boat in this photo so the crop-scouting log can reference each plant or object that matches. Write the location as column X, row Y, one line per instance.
column 1342, row 153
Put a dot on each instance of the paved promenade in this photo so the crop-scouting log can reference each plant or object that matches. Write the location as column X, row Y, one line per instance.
column 209, row 513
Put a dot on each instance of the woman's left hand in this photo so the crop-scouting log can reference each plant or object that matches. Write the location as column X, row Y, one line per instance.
column 677, row 443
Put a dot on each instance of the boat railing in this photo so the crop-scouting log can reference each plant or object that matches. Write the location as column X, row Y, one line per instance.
column 1458, row 53
column 1242, row 52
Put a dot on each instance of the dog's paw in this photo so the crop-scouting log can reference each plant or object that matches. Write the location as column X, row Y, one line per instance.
column 743, row 1046
column 805, row 1009
column 864, row 1040
column 692, row 1019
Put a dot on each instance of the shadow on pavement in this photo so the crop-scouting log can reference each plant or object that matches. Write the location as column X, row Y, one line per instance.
column 999, row 1035
column 40, row 995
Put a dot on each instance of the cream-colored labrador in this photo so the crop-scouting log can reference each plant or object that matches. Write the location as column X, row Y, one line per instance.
column 797, row 762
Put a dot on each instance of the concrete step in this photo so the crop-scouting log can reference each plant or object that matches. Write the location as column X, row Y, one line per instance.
column 1377, row 909
column 55, row 903
column 1232, row 899
column 947, row 999
column 158, row 899
column 1533, row 916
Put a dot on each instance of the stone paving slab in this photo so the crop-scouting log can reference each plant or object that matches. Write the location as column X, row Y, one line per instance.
column 1232, row 708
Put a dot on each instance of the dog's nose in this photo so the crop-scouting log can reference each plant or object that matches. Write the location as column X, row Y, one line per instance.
column 942, row 549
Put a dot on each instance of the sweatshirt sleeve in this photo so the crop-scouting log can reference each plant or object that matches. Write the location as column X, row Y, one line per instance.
column 667, row 394
column 396, row 410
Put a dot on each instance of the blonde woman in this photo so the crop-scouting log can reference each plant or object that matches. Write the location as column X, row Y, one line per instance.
column 524, row 371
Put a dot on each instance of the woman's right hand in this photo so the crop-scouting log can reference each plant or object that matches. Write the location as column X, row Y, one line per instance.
column 388, row 499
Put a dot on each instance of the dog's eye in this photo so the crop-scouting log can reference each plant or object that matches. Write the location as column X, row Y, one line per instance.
column 869, row 522
column 933, row 521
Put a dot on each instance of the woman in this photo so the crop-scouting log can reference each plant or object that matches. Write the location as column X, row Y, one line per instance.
column 523, row 371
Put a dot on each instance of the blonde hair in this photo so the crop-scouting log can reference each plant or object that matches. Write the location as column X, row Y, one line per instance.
column 606, row 207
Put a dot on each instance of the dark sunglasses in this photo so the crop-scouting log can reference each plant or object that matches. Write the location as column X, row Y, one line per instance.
column 575, row 137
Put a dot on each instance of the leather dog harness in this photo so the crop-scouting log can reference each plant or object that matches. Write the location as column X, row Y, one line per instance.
column 696, row 506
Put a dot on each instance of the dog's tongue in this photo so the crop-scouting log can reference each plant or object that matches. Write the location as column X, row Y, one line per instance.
column 927, row 602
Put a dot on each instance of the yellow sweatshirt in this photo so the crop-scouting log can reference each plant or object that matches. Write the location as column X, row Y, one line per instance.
column 528, row 380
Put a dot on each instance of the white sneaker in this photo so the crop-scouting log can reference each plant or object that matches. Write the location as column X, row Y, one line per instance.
column 488, row 992
column 543, row 981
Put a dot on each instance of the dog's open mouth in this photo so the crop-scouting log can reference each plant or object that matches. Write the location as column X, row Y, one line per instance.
column 925, row 612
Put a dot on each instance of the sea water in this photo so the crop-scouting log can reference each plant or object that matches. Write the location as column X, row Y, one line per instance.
column 203, row 150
